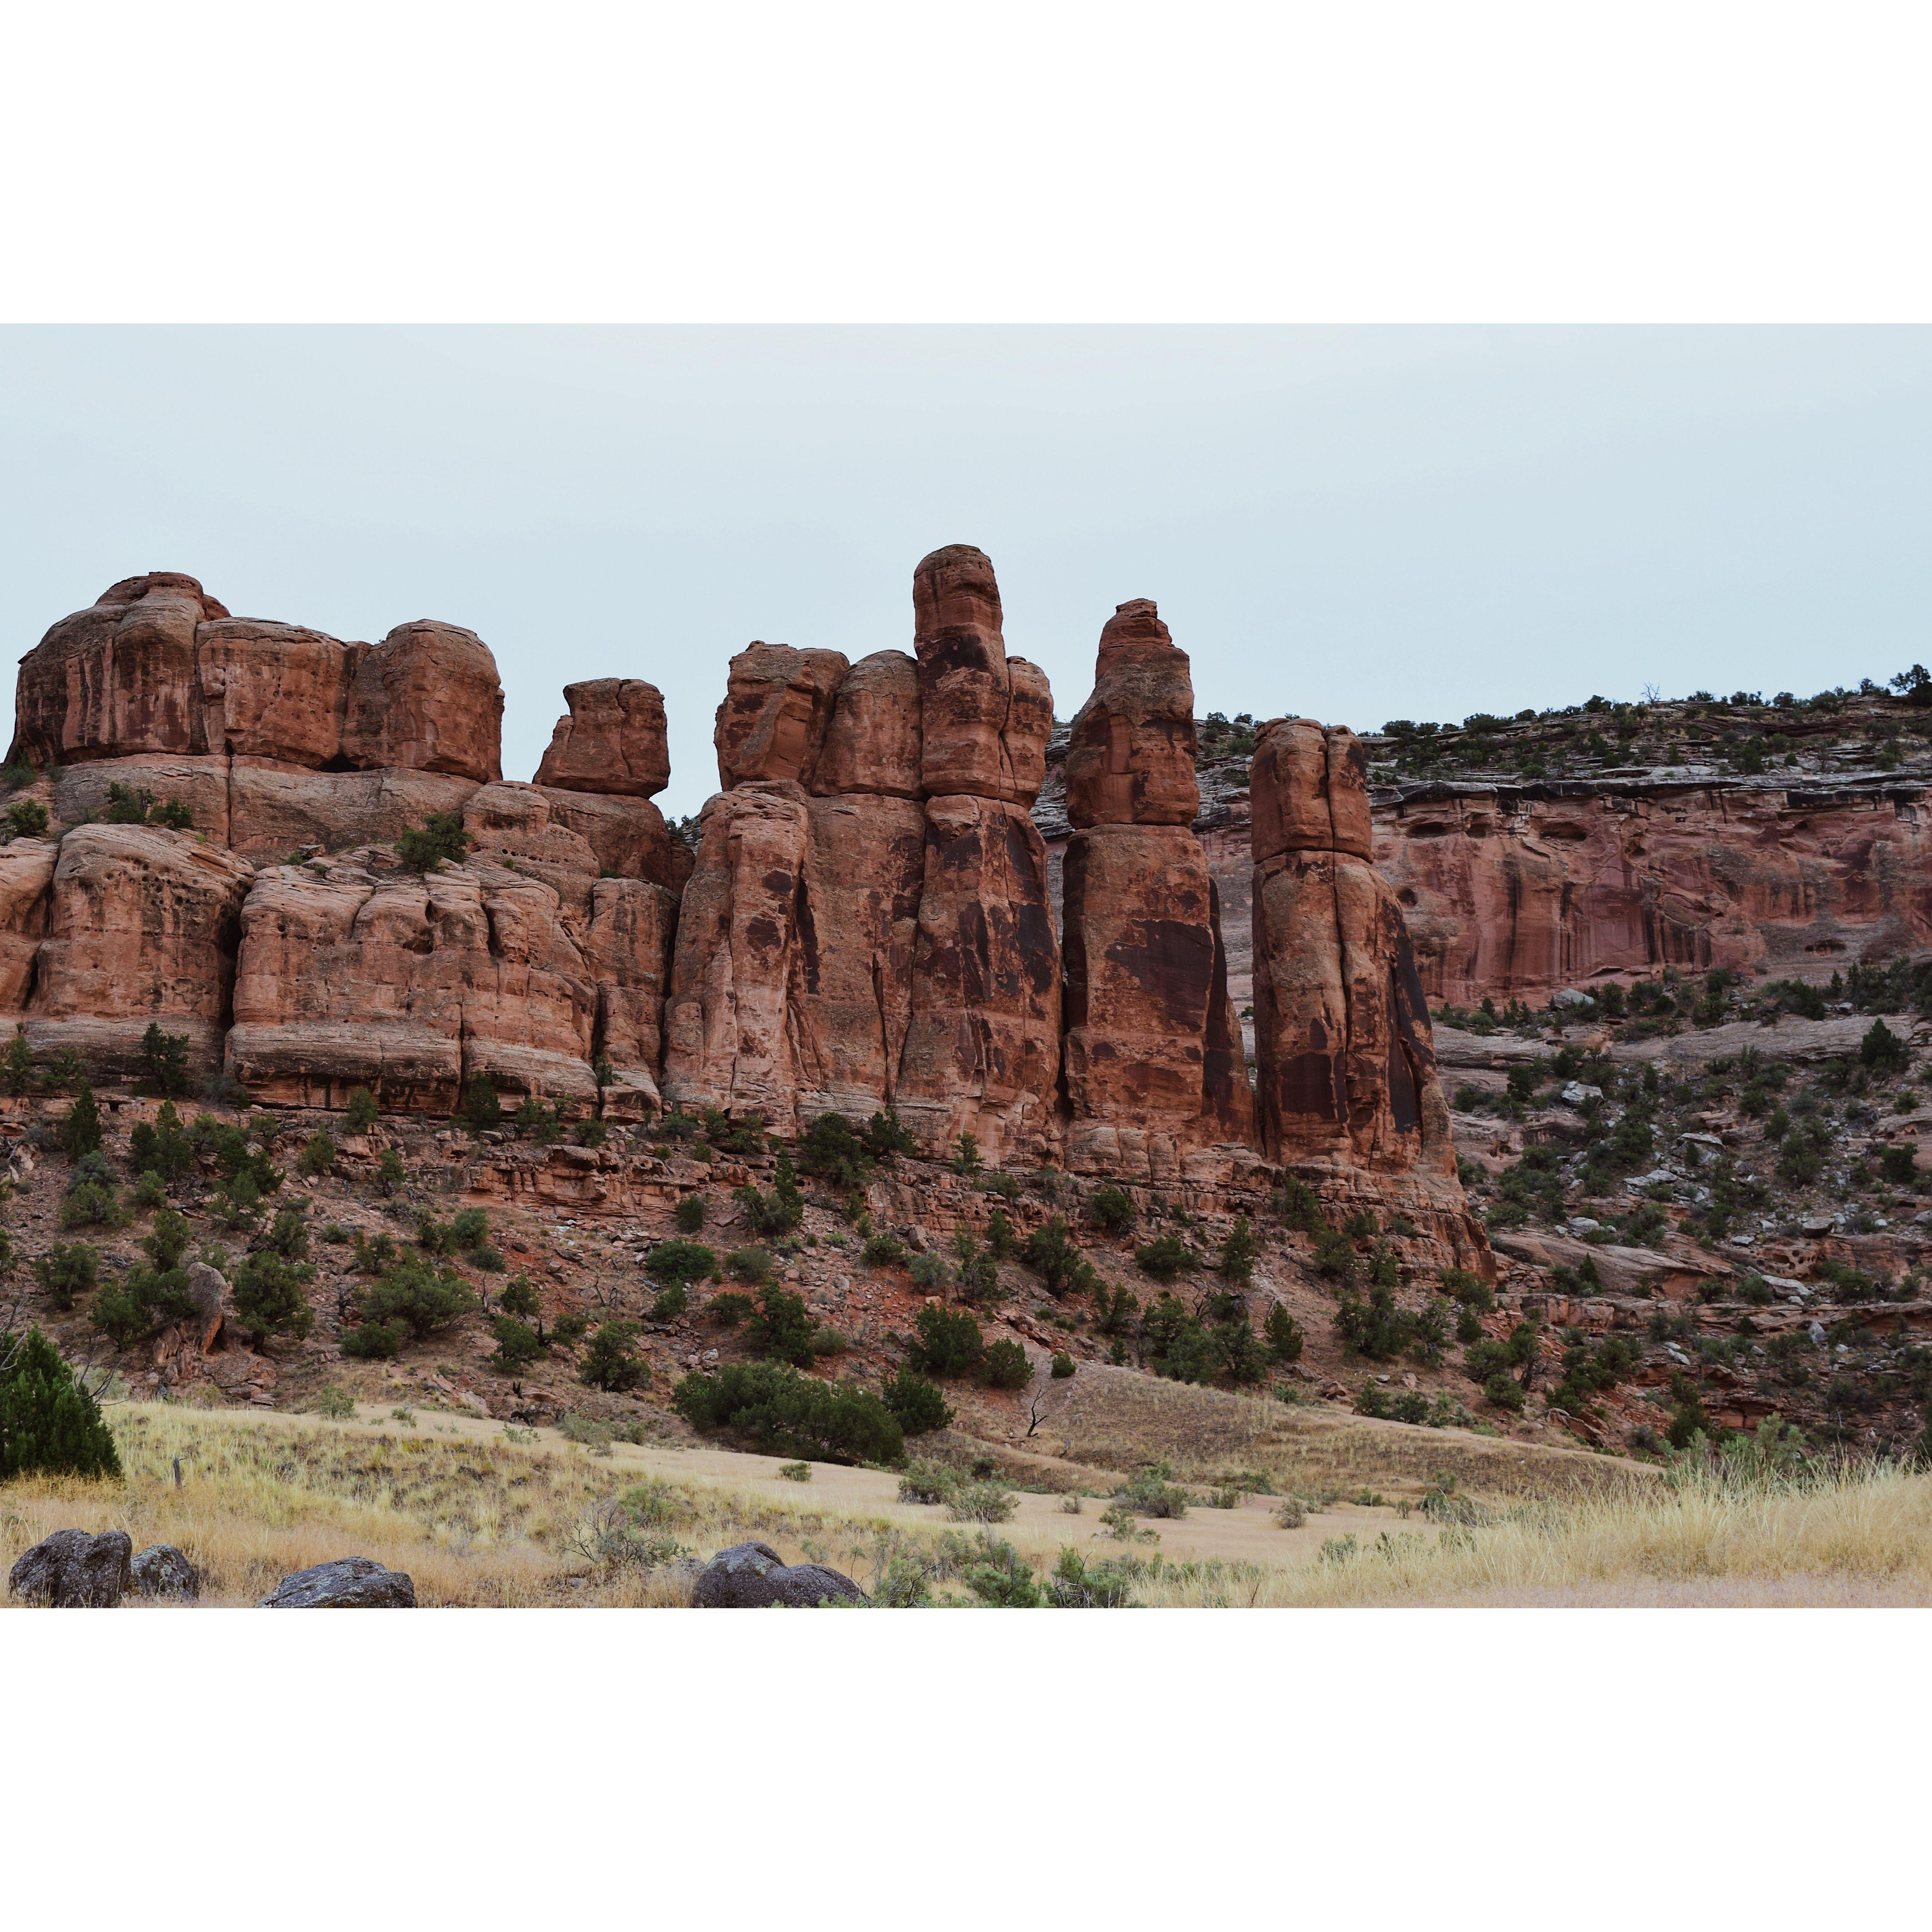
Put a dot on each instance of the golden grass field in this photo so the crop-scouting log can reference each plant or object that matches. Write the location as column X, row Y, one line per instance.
column 477, row 1518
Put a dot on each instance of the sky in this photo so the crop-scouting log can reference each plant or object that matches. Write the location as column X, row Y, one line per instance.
column 1355, row 524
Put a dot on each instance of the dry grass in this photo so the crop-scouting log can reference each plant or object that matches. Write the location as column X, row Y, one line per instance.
column 477, row 1519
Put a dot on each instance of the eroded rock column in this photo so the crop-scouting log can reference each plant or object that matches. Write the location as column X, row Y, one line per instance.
column 1153, row 1061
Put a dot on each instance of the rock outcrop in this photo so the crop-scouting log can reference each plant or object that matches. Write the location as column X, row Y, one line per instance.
column 74, row 1570
column 754, row 1576
column 163, row 1570
column 776, row 709
column 1347, row 1064
column 1154, row 1062
column 611, row 740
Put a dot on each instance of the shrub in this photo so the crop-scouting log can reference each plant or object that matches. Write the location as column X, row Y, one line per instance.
column 1298, row 1205
column 149, row 1191
column 1112, row 1208
column 270, row 1297
column 752, row 1265
column 671, row 1301
column 91, row 1205
column 164, row 1059
column 691, row 1214
column 50, row 1423
column 469, row 1227
column 728, row 1310
column 1471, row 1290
column 950, row 1342
column 918, row 1404
column 375, row 1341
column 1001, row 1241
column 28, row 817
column 1502, row 1392
column 787, row 1413
column 1004, row 1366
column 966, row 1155
column 885, row 1137
column 363, row 1113
column 423, row 1299
column 17, row 1069
column 166, row 1239
column 518, row 1345
column 66, row 1271
column 1164, row 1257
column 978, row 1272
column 1882, row 1052
column 980, row 1502
column 80, row 1132
column 317, row 1156
column 1149, row 1493
column 884, row 1251
column 778, row 1212
column 780, row 1329
column 1281, row 1333
column 611, row 1362
column 928, row 1481
column 833, row 1152
column 289, row 1235
column 1238, row 1254
column 536, row 1122
column 440, row 837
column 929, row 1273
column 1063, row 1366
column 482, row 1111
column 1050, row 1252
column 333, row 1402
column 679, row 1261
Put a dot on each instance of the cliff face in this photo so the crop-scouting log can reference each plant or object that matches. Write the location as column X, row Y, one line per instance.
column 871, row 918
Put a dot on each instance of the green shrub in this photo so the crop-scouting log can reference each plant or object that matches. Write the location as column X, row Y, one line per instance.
column 50, row 1423
column 1897, row 1166
column 289, row 1234
column 270, row 1296
column 1149, row 1493
column 979, row 1273
column 423, row 1299
column 80, row 1132
column 375, row 1341
column 966, row 1155
column 363, row 1113
column 164, row 1060
column 1164, row 1257
column 1502, row 1391
column 333, row 1402
column 886, row 1138
column 691, row 1214
column 1063, row 1366
column 482, row 1111
column 671, row 1301
column 884, row 1251
column 17, row 1069
column 928, row 1481
column 91, row 1205
column 950, row 1342
column 1283, row 1335
column 787, row 1413
column 752, row 1265
column 611, row 1362
column 537, row 1122
column 778, row 1212
column 980, row 1502
column 317, row 1156
column 833, row 1152
column 1112, row 1208
column 780, row 1329
column 1238, row 1254
column 1000, row 1240
column 728, row 1310
column 1004, row 1366
column 929, row 1273
column 28, row 817
column 1882, row 1051
column 518, row 1345
column 679, row 1261
column 1051, row 1253
column 166, row 1239
column 440, row 837
column 150, row 1191
column 917, row 1403
column 67, row 1271
column 1299, row 1207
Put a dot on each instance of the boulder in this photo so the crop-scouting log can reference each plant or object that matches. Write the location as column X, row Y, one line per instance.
column 272, row 691
column 1153, row 1043
column 348, row 1583
column 74, row 1570
column 162, row 1570
column 612, row 740
column 1130, row 757
column 982, row 1053
column 872, row 744
column 142, row 926
column 754, row 1576
column 207, row 1289
column 777, row 709
column 426, row 697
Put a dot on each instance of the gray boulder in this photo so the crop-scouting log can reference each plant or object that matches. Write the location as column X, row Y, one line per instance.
column 73, row 1569
column 754, row 1576
column 348, row 1583
column 161, row 1571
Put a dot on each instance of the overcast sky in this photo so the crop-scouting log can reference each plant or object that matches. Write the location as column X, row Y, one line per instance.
column 1355, row 524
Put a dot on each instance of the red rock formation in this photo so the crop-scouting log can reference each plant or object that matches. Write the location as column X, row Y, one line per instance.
column 983, row 1052
column 158, row 666
column 1347, row 1065
column 1513, row 894
column 274, row 810
column 777, row 707
column 872, row 744
column 1130, row 759
column 26, row 878
column 1154, row 1063
column 141, row 925
column 612, row 740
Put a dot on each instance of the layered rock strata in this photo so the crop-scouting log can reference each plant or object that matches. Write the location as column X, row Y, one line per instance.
column 1154, row 1057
